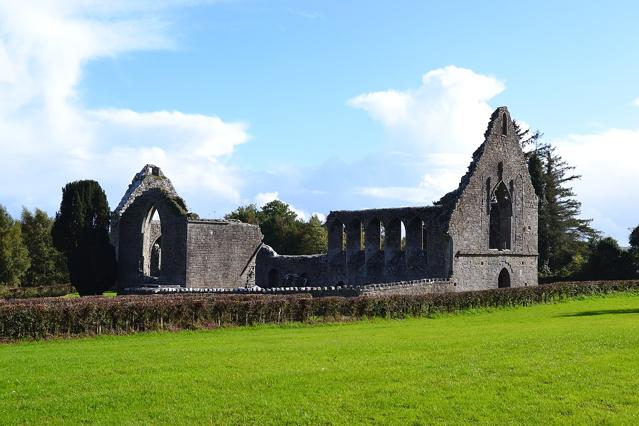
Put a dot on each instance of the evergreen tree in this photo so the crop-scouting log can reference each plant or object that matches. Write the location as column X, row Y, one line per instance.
column 14, row 257
column 563, row 236
column 81, row 231
column 634, row 250
column 634, row 238
column 48, row 265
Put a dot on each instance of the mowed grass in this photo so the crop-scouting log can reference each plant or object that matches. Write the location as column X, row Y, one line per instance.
column 571, row 362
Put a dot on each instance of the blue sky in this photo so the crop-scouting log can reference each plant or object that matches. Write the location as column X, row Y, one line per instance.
column 323, row 104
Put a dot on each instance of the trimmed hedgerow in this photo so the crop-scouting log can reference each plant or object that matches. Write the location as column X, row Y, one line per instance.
column 42, row 291
column 51, row 317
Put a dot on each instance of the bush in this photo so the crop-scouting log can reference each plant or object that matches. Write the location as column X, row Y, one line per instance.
column 42, row 291
column 49, row 317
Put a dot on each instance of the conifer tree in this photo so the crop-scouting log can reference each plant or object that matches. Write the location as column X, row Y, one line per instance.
column 81, row 231
column 563, row 236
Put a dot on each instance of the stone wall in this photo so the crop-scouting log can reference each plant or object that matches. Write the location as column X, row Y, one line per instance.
column 132, row 229
column 365, row 246
column 274, row 270
column 499, row 162
column 221, row 253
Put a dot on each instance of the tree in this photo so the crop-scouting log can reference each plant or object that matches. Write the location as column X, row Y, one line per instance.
column 563, row 236
column 634, row 238
column 48, row 265
column 246, row 214
column 81, row 231
column 634, row 250
column 14, row 257
column 283, row 230
column 607, row 261
column 313, row 238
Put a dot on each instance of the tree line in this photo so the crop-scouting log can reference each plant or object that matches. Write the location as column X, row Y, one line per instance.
column 74, row 246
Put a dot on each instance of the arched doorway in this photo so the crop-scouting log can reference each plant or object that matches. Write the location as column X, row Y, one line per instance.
column 504, row 279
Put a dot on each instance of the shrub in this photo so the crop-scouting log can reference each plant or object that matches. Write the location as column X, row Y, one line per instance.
column 42, row 291
column 51, row 317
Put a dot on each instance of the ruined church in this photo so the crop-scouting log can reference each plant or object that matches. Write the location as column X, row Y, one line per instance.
column 482, row 235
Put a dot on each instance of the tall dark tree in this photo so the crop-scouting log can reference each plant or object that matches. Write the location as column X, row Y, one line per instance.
column 634, row 250
column 81, row 231
column 563, row 235
column 48, row 265
column 14, row 257
column 634, row 238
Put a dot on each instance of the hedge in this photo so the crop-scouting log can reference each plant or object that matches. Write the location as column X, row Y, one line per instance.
column 59, row 317
column 42, row 291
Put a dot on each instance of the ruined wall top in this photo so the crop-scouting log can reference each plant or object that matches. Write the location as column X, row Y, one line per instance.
column 150, row 177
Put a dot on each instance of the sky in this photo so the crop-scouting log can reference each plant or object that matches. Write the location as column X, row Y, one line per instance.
column 326, row 105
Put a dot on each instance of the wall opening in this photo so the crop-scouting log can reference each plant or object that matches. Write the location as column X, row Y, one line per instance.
column 402, row 233
column 151, row 256
column 504, row 279
column 156, row 258
column 500, row 218
column 504, row 124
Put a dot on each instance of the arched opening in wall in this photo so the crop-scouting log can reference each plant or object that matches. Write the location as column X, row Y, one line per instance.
column 500, row 218
column 382, row 236
column 273, row 278
column 151, row 256
column 156, row 257
column 504, row 279
column 402, row 234
column 504, row 124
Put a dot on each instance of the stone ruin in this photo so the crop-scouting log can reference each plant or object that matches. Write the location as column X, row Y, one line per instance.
column 482, row 235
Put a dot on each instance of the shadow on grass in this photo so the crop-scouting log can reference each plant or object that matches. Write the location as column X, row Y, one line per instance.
column 602, row 312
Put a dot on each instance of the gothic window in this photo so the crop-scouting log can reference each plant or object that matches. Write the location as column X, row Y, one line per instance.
column 500, row 218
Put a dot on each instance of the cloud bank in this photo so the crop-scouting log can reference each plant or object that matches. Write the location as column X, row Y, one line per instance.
column 48, row 137
column 439, row 124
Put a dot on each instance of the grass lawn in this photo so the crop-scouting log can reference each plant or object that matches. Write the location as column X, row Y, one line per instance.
column 571, row 362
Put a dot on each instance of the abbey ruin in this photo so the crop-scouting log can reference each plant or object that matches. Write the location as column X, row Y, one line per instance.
column 482, row 235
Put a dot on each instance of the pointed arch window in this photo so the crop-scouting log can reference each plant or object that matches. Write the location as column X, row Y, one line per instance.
column 500, row 218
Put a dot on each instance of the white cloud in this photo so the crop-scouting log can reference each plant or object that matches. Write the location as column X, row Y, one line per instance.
column 636, row 102
column 48, row 137
column 266, row 197
column 606, row 162
column 441, row 123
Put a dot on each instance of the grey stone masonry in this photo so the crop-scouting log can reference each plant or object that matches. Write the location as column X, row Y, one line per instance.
column 482, row 235
column 179, row 249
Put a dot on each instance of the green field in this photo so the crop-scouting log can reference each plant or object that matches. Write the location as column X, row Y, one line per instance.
column 571, row 362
